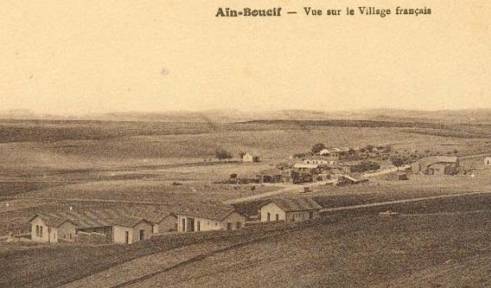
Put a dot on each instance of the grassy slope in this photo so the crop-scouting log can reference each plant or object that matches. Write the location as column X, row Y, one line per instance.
column 346, row 251
column 356, row 252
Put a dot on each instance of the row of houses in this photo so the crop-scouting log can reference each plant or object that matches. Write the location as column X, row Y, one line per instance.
column 105, row 225
column 126, row 227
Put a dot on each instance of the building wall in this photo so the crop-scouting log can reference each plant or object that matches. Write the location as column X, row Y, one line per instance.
column 190, row 224
column 300, row 216
column 147, row 231
column 168, row 224
column 66, row 232
column 233, row 221
column 49, row 234
column 203, row 224
column 34, row 235
column 273, row 210
column 107, row 231
column 487, row 161
column 119, row 235
column 248, row 158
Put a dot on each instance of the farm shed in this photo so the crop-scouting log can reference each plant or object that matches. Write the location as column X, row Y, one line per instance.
column 289, row 210
column 437, row 165
column 210, row 219
column 129, row 230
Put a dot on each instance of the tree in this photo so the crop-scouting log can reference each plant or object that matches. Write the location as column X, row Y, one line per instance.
column 221, row 154
column 397, row 161
column 318, row 148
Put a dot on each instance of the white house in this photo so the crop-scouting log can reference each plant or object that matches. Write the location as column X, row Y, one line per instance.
column 487, row 161
column 289, row 210
column 49, row 229
column 73, row 226
column 210, row 219
column 247, row 157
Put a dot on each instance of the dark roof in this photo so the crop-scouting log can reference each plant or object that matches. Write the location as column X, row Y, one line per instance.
column 51, row 220
column 91, row 218
column 295, row 204
column 212, row 212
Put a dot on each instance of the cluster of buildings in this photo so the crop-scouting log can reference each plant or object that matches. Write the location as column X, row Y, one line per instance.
column 127, row 227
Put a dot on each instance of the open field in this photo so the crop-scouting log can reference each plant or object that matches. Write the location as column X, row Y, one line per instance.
column 52, row 165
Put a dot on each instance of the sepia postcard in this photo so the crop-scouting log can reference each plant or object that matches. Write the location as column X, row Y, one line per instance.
column 247, row 143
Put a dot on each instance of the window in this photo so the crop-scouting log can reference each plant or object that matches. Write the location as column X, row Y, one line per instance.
column 311, row 215
column 269, row 216
column 127, row 237
column 142, row 234
column 41, row 231
column 277, row 217
column 37, row 230
column 238, row 225
column 198, row 226
column 229, row 226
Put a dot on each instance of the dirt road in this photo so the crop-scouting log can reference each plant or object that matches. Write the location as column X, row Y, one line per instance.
column 378, row 204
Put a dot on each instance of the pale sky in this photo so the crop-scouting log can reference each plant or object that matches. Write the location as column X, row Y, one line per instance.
column 91, row 56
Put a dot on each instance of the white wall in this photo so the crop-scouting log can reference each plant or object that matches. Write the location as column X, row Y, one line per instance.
column 119, row 234
column 233, row 218
column 65, row 230
column 273, row 210
column 45, row 237
column 146, row 227
column 210, row 224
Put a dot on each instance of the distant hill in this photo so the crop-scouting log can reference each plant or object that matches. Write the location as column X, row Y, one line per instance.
column 476, row 116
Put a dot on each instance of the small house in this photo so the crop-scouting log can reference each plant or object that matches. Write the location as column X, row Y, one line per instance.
column 128, row 230
column 487, row 161
column 86, row 226
column 211, row 218
column 247, row 157
column 50, row 228
column 289, row 210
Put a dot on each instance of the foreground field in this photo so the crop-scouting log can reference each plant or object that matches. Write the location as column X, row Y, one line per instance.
column 421, row 248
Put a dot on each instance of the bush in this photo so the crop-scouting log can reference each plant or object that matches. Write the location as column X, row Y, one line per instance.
column 318, row 148
column 397, row 161
column 221, row 154
column 365, row 166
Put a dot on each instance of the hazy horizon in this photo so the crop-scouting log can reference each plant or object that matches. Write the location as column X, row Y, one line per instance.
column 76, row 58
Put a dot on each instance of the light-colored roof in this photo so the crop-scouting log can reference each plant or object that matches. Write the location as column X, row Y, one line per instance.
column 295, row 204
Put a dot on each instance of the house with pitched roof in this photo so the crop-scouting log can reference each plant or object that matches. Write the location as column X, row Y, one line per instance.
column 289, row 210
column 210, row 218
column 69, row 226
column 46, row 228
